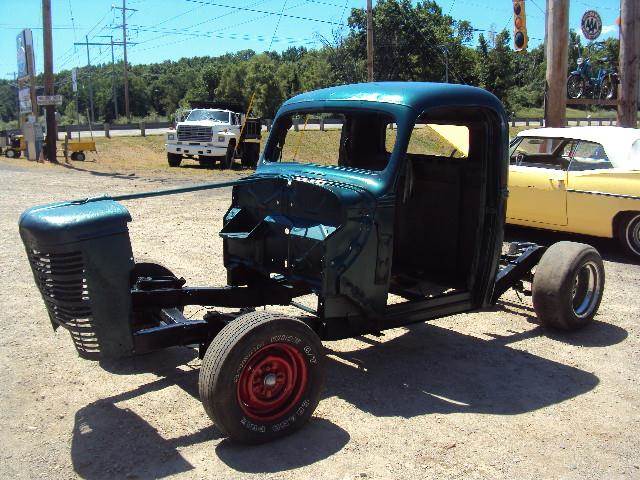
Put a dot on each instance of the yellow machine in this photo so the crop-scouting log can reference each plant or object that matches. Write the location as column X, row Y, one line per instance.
column 13, row 145
column 75, row 149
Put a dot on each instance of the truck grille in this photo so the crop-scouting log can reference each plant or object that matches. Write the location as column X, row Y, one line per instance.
column 62, row 281
column 195, row 133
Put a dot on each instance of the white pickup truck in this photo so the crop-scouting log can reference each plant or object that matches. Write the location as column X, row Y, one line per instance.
column 215, row 134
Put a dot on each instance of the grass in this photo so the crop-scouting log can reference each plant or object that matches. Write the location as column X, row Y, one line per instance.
column 538, row 112
column 146, row 156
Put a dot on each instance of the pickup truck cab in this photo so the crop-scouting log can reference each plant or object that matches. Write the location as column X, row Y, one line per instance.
column 368, row 226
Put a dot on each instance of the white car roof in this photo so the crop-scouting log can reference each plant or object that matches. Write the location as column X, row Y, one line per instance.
column 622, row 145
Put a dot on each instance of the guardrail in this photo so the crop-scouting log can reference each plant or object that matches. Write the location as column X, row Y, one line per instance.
column 143, row 127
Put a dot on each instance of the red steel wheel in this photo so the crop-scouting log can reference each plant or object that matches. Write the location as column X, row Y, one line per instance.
column 272, row 382
column 262, row 376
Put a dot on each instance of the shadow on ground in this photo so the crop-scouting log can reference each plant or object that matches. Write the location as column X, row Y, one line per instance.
column 608, row 248
column 426, row 370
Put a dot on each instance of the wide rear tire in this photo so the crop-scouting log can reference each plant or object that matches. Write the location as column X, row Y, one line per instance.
column 568, row 285
column 262, row 376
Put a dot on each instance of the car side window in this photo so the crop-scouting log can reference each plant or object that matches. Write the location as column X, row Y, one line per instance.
column 589, row 156
column 542, row 152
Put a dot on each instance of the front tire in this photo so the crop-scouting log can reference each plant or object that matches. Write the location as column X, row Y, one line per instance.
column 227, row 161
column 262, row 376
column 174, row 159
column 575, row 86
column 10, row 153
column 568, row 285
column 628, row 234
column 80, row 156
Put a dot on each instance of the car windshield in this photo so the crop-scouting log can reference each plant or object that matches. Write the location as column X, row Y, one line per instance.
column 210, row 115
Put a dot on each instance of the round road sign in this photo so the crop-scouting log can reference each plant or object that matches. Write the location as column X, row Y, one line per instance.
column 591, row 24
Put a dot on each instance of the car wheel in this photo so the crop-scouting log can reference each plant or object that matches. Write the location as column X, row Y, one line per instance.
column 628, row 234
column 10, row 153
column 568, row 285
column 227, row 161
column 174, row 159
column 575, row 86
column 80, row 157
column 74, row 156
column 262, row 376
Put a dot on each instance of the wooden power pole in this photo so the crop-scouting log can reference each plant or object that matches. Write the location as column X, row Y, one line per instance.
column 369, row 41
column 124, row 56
column 557, row 53
column 50, row 110
column 629, row 62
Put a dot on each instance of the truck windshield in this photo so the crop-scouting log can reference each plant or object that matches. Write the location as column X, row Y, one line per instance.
column 211, row 115
column 354, row 139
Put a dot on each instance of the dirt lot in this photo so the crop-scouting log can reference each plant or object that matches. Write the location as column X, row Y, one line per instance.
column 484, row 395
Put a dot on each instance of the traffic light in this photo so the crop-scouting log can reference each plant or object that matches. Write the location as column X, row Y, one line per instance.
column 520, row 26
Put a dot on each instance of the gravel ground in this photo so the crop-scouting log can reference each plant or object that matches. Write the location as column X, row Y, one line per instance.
column 483, row 395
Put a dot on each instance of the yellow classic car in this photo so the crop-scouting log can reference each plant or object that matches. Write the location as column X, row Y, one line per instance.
column 581, row 179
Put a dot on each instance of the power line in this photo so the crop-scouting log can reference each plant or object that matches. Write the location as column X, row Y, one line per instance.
column 266, row 12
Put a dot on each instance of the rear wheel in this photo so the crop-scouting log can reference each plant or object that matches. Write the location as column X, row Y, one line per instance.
column 250, row 154
column 80, row 156
column 568, row 285
column 575, row 86
column 174, row 159
column 262, row 376
column 608, row 88
column 628, row 233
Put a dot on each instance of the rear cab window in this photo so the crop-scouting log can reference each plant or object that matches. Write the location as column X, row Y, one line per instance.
column 349, row 139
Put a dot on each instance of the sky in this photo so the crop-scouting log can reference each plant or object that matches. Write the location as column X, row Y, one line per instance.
column 171, row 29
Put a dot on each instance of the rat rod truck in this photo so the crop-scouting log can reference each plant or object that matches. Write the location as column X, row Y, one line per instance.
column 386, row 236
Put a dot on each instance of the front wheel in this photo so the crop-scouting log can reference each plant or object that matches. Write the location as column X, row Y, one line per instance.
column 174, row 159
column 575, row 86
column 628, row 234
column 568, row 285
column 227, row 161
column 262, row 376
column 10, row 153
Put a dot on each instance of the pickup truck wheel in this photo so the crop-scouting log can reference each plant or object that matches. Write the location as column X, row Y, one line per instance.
column 10, row 153
column 80, row 156
column 262, row 376
column 174, row 159
column 568, row 285
column 227, row 161
column 628, row 234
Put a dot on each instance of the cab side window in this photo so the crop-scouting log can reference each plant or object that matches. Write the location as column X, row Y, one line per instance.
column 589, row 156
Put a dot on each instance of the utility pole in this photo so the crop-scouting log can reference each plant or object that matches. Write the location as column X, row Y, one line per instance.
column 113, row 76
column 50, row 110
column 557, row 52
column 87, row 43
column 629, row 63
column 369, row 41
column 124, row 58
